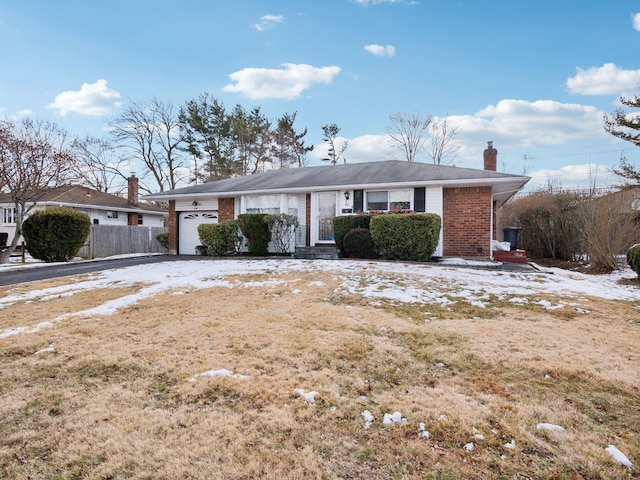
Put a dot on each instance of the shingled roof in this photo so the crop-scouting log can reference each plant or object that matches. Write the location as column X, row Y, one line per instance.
column 77, row 196
column 353, row 175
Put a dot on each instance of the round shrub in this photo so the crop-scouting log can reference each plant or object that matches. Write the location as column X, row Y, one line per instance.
column 358, row 244
column 342, row 224
column 412, row 236
column 256, row 230
column 55, row 234
column 633, row 258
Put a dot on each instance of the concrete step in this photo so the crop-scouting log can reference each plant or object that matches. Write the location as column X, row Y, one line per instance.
column 324, row 252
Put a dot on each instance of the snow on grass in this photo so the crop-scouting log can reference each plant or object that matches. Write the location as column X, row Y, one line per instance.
column 391, row 281
column 309, row 397
column 618, row 456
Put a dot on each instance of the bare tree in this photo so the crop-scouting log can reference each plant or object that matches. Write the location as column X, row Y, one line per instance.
column 33, row 157
column 444, row 146
column 409, row 132
column 99, row 165
column 152, row 134
column 330, row 134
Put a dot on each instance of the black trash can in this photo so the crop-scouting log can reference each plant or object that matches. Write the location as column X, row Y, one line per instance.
column 511, row 236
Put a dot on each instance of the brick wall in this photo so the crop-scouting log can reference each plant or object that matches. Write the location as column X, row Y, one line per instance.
column 172, row 223
column 226, row 209
column 467, row 222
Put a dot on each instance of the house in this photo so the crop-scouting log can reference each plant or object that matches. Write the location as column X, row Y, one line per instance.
column 102, row 208
column 466, row 199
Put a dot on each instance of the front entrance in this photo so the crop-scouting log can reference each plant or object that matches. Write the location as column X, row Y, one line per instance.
column 326, row 214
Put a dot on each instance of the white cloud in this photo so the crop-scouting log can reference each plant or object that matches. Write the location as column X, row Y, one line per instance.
column 381, row 51
column 571, row 177
column 608, row 79
column 365, row 148
column 636, row 21
column 287, row 83
column 92, row 99
column 267, row 21
column 21, row 114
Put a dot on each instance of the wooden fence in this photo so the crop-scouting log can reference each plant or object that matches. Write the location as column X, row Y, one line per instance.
column 109, row 240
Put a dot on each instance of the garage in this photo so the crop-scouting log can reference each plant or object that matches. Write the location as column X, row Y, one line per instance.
column 188, row 223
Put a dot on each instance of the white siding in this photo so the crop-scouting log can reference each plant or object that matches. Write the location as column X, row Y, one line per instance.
column 433, row 204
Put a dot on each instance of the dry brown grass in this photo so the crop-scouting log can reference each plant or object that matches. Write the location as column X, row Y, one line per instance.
column 121, row 395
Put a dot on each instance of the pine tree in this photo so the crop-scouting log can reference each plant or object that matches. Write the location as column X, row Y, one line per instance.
column 626, row 127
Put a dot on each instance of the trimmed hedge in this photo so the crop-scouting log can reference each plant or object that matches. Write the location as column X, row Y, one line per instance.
column 256, row 230
column 342, row 225
column 633, row 258
column 55, row 234
column 412, row 237
column 220, row 238
column 358, row 244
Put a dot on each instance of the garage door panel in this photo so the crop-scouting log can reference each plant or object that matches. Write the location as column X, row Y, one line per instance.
column 188, row 238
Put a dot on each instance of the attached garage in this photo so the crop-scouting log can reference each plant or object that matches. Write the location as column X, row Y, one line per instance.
column 188, row 238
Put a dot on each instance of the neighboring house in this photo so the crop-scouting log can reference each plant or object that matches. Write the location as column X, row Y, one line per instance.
column 102, row 208
column 466, row 199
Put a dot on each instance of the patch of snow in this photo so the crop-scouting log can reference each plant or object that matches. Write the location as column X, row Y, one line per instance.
column 368, row 418
column 395, row 417
column 550, row 426
column 49, row 349
column 422, row 433
column 469, row 446
column 618, row 456
column 309, row 397
column 511, row 445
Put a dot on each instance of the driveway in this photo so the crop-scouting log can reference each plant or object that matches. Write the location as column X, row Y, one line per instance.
column 17, row 274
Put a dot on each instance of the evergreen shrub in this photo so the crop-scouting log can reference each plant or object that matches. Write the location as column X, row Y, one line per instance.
column 55, row 234
column 412, row 236
column 220, row 238
column 633, row 258
column 342, row 224
column 358, row 244
column 163, row 239
column 256, row 230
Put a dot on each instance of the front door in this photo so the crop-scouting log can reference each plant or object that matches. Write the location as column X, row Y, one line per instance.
column 326, row 214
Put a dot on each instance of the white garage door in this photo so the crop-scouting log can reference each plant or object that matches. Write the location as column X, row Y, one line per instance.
column 188, row 234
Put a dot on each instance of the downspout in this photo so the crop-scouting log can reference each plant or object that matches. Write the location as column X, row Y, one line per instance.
column 493, row 203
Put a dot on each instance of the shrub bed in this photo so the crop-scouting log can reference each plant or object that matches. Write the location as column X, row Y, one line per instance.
column 55, row 234
column 412, row 237
column 219, row 239
column 256, row 230
column 358, row 244
column 342, row 225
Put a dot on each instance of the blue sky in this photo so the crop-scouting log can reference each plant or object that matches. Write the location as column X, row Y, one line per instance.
column 535, row 77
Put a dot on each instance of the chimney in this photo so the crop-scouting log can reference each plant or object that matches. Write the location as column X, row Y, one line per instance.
column 132, row 192
column 490, row 157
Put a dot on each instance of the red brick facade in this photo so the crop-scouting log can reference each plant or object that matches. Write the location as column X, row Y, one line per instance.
column 226, row 209
column 467, row 222
column 172, row 223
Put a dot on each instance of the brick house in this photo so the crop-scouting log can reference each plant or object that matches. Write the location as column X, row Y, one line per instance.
column 466, row 199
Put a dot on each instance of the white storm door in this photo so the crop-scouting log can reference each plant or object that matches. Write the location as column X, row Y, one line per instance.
column 326, row 213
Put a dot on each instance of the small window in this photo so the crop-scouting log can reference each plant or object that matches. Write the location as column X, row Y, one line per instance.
column 399, row 199
column 9, row 215
column 96, row 221
column 112, row 214
column 140, row 220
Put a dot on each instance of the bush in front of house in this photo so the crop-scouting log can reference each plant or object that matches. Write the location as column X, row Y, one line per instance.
column 412, row 236
column 282, row 227
column 633, row 258
column 343, row 224
column 219, row 239
column 163, row 239
column 256, row 230
column 358, row 244
column 55, row 234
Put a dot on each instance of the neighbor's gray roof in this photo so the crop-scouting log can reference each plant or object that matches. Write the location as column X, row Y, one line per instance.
column 349, row 176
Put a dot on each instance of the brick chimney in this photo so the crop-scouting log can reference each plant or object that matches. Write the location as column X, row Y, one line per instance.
column 132, row 192
column 490, row 157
